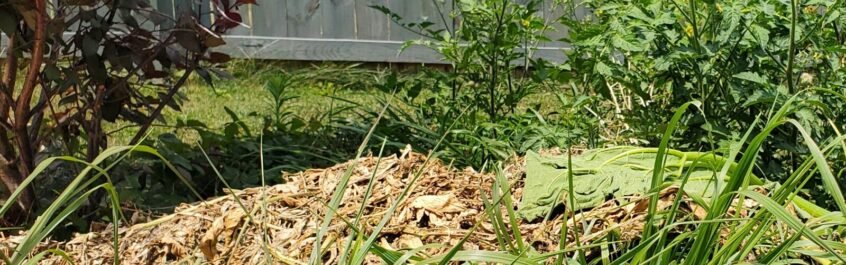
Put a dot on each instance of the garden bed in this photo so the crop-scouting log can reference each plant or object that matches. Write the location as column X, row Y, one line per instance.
column 442, row 207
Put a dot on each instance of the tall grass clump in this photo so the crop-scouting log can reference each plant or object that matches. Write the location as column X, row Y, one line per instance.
column 93, row 177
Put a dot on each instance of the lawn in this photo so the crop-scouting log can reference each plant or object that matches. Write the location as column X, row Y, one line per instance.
column 248, row 99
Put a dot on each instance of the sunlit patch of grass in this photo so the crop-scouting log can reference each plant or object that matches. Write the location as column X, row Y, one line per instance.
column 246, row 97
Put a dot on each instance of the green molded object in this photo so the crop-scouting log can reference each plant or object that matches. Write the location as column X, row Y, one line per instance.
column 614, row 172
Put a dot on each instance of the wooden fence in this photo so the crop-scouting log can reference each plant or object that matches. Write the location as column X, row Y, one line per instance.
column 346, row 30
column 343, row 30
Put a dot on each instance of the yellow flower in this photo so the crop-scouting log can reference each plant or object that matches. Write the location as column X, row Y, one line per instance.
column 810, row 9
column 688, row 30
column 719, row 8
column 525, row 23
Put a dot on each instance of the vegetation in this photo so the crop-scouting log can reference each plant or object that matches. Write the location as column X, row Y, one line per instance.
column 740, row 58
column 750, row 91
column 113, row 67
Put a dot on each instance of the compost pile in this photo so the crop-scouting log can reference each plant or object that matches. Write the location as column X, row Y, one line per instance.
column 280, row 222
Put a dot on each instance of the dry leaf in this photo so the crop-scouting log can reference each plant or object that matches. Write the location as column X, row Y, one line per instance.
column 698, row 212
column 409, row 241
column 438, row 203
column 176, row 248
column 225, row 224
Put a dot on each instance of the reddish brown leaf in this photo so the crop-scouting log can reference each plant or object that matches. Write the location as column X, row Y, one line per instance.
column 229, row 20
column 188, row 40
column 216, row 57
column 209, row 38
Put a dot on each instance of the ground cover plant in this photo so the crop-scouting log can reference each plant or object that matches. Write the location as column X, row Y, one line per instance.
column 498, row 158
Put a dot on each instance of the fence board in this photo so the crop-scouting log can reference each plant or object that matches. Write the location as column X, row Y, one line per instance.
column 204, row 7
column 182, row 6
column 338, row 19
column 438, row 13
column 409, row 11
column 552, row 12
column 267, row 19
column 371, row 24
column 303, row 18
column 3, row 45
column 167, row 8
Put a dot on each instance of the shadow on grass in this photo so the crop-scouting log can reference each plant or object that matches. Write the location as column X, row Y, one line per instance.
column 237, row 155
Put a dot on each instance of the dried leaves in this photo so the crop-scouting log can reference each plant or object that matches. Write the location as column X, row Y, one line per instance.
column 222, row 228
column 443, row 205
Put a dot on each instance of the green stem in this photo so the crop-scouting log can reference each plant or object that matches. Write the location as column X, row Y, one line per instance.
column 792, row 49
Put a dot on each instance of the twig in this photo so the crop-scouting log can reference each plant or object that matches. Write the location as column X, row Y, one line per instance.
column 164, row 101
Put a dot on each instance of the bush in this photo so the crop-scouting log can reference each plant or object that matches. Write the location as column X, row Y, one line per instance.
column 479, row 106
column 740, row 58
column 118, row 64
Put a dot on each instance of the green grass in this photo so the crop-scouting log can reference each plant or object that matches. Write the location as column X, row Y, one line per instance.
column 245, row 95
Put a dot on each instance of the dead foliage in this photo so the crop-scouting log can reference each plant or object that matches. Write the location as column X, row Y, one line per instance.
column 279, row 223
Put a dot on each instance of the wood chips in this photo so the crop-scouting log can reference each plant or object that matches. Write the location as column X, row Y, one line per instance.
column 281, row 221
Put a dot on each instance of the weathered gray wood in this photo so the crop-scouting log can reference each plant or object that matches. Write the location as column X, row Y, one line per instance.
column 303, row 17
column 205, row 12
column 166, row 7
column 371, row 24
column 181, row 6
column 269, row 19
column 338, row 19
column 341, row 30
column 3, row 45
column 552, row 12
column 410, row 11
column 438, row 13
column 313, row 49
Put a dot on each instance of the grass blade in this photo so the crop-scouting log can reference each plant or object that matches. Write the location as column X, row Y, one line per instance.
column 338, row 194
column 778, row 211
column 657, row 174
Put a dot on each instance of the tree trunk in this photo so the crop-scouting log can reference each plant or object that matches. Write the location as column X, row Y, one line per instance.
column 17, row 160
column 10, row 176
column 22, row 105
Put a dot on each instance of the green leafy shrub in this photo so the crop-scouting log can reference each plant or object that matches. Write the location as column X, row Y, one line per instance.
column 740, row 58
column 480, row 104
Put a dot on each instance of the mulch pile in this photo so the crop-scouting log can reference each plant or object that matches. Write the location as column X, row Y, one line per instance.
column 281, row 221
